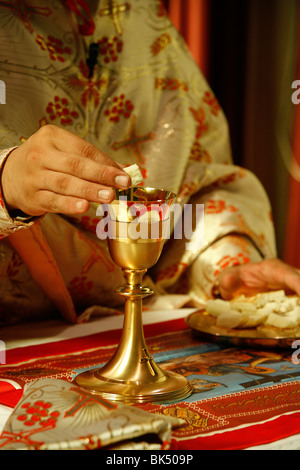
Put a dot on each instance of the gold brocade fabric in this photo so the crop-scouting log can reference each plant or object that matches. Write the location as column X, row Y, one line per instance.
column 66, row 417
column 145, row 103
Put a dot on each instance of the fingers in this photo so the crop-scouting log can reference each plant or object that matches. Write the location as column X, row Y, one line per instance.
column 57, row 203
column 292, row 280
column 67, row 142
column 89, row 170
column 63, row 151
column 276, row 274
column 252, row 278
column 57, row 171
column 65, row 184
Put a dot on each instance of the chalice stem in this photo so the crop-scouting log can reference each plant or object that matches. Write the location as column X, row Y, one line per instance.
column 132, row 345
column 132, row 359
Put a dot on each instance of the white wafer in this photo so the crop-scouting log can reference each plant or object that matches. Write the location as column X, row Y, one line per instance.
column 273, row 309
column 135, row 174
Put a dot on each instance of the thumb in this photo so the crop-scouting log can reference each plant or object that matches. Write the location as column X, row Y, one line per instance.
column 229, row 282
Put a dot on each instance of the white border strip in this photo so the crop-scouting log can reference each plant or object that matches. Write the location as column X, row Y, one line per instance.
column 30, row 334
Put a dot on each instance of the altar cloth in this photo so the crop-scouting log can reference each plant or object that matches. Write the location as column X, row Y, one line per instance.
column 243, row 398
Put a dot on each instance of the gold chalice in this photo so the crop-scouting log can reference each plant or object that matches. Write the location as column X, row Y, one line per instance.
column 138, row 224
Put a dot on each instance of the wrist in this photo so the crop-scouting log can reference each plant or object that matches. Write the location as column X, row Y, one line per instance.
column 6, row 183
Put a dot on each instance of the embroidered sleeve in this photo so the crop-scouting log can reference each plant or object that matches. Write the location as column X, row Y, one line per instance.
column 231, row 250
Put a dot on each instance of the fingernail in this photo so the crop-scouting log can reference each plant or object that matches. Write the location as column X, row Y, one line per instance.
column 122, row 181
column 104, row 194
column 79, row 205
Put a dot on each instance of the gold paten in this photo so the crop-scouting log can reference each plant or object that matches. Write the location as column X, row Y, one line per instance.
column 132, row 376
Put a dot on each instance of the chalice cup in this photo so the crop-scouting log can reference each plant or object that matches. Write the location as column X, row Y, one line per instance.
column 138, row 225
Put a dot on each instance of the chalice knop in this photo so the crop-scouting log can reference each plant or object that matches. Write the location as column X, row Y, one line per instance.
column 138, row 225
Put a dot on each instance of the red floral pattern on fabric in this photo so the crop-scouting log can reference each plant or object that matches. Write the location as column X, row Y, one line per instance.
column 212, row 102
column 110, row 48
column 199, row 154
column 37, row 416
column 38, row 412
column 59, row 110
column 53, row 46
column 229, row 261
column 199, row 116
column 121, row 107
column 90, row 87
column 170, row 84
column 187, row 189
column 230, row 178
column 161, row 43
column 219, row 206
column 242, row 242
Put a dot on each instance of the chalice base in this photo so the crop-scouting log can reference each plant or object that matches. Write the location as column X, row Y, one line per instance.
column 132, row 375
column 165, row 387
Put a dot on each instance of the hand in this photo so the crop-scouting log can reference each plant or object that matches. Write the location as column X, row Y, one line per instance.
column 57, row 171
column 252, row 278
